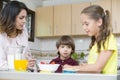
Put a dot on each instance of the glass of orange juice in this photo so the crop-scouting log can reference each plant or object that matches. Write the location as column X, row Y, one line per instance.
column 20, row 63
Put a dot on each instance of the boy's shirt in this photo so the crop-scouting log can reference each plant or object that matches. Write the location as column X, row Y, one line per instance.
column 68, row 61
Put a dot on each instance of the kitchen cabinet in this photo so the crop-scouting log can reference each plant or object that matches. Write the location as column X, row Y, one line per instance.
column 77, row 28
column 112, row 6
column 65, row 19
column 116, row 16
column 44, row 21
column 106, row 4
column 62, row 20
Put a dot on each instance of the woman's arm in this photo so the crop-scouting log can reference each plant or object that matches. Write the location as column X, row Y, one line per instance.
column 3, row 56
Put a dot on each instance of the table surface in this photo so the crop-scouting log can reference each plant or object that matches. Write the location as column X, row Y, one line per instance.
column 13, row 75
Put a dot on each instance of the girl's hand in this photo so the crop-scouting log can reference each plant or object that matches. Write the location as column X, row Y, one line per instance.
column 66, row 66
column 71, row 67
column 83, row 64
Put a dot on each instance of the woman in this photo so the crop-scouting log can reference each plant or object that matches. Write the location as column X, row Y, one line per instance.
column 103, row 47
column 13, row 31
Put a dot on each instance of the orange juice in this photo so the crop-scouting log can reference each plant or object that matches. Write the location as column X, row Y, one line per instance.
column 20, row 65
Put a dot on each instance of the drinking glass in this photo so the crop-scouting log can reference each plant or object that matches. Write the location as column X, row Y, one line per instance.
column 10, row 57
column 20, row 62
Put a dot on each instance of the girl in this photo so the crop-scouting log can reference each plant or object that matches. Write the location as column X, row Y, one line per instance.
column 103, row 47
column 65, row 46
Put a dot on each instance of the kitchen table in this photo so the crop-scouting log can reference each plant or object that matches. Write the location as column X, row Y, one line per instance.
column 13, row 75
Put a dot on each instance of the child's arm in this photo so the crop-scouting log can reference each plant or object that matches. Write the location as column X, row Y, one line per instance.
column 94, row 68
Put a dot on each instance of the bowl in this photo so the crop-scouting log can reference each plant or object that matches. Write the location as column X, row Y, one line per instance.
column 48, row 67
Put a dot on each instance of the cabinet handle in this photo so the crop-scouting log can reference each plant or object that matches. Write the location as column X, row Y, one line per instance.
column 116, row 25
column 75, row 28
column 55, row 30
column 50, row 29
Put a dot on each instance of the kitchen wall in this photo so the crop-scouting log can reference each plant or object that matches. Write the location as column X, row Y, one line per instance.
column 118, row 41
column 48, row 44
column 58, row 2
column 42, row 44
column 32, row 4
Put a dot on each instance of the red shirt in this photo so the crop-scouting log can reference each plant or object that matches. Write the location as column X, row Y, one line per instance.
column 68, row 61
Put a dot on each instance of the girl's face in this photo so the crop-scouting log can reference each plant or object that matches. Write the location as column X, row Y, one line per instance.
column 21, row 19
column 65, row 51
column 90, row 25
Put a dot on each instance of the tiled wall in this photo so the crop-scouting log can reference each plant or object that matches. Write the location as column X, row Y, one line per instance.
column 45, row 48
column 118, row 42
column 49, row 44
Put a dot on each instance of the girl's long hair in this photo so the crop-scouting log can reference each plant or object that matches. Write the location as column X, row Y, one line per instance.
column 97, row 12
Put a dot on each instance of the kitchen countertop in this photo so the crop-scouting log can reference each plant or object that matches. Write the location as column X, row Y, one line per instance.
column 13, row 75
column 118, row 76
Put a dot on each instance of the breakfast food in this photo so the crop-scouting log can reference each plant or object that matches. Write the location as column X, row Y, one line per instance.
column 52, row 62
column 48, row 67
column 42, row 62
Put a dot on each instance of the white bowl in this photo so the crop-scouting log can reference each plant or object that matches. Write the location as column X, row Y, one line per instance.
column 48, row 67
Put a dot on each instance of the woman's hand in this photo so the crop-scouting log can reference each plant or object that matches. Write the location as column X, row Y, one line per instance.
column 31, row 63
column 31, row 60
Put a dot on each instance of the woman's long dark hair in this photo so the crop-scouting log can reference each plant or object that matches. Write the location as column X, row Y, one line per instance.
column 96, row 12
column 8, row 16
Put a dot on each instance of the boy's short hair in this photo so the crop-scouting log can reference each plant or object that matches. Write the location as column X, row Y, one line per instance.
column 66, row 40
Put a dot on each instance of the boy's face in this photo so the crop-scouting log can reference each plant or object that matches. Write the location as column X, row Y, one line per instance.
column 65, row 51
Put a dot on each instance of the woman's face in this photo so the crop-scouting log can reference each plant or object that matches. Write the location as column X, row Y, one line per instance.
column 90, row 25
column 65, row 51
column 21, row 19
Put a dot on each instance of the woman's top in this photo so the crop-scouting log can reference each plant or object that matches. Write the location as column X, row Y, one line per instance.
column 68, row 61
column 5, row 42
column 111, row 65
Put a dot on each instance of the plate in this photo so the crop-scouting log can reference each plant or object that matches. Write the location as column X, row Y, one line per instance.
column 69, row 71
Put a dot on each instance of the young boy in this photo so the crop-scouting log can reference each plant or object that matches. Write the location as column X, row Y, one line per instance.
column 65, row 46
